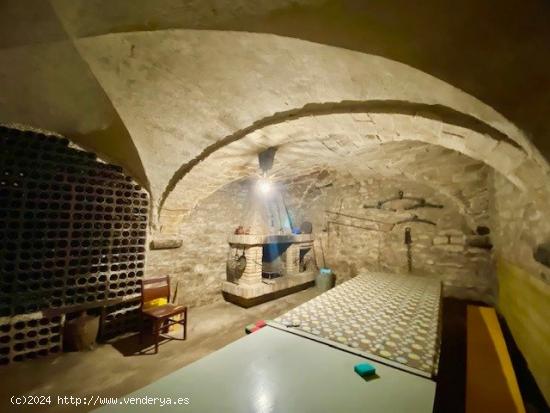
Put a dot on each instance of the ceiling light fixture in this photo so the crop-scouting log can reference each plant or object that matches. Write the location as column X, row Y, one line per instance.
column 264, row 186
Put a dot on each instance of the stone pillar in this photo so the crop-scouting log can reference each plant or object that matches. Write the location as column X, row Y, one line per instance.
column 292, row 261
column 253, row 271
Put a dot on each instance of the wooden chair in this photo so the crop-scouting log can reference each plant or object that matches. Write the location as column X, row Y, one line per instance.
column 161, row 316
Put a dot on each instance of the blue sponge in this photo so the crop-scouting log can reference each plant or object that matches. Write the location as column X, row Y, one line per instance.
column 365, row 369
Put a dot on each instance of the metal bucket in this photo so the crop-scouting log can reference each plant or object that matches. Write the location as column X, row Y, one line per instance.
column 325, row 279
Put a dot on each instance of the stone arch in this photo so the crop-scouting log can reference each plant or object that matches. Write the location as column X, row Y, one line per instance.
column 461, row 133
column 426, row 111
column 309, row 78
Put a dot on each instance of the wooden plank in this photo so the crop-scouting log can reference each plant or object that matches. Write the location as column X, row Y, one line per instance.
column 491, row 384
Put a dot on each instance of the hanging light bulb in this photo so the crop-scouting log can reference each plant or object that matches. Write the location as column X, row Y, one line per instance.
column 264, row 186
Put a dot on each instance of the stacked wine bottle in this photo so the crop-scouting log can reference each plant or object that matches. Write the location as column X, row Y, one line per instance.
column 72, row 229
column 120, row 319
column 29, row 336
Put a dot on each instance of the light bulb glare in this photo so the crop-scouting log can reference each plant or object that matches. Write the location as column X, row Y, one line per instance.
column 264, row 186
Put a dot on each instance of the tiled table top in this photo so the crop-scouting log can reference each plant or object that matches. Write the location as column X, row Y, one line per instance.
column 395, row 317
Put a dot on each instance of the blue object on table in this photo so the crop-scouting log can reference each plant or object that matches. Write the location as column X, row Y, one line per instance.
column 325, row 271
column 296, row 230
column 365, row 369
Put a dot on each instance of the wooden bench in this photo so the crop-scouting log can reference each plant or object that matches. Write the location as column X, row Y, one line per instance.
column 491, row 384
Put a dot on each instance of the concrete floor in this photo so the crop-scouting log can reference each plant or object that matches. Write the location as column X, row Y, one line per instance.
column 113, row 370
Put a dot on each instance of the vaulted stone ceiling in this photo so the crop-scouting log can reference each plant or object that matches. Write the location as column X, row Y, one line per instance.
column 166, row 88
column 498, row 54
column 461, row 179
column 130, row 80
column 417, row 148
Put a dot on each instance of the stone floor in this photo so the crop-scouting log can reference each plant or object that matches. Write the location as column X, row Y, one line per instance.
column 117, row 369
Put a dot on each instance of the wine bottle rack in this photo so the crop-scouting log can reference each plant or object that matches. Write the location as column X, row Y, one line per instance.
column 120, row 319
column 29, row 336
column 72, row 228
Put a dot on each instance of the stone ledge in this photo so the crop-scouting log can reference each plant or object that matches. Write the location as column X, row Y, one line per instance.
column 261, row 289
column 244, row 239
column 249, row 302
column 164, row 244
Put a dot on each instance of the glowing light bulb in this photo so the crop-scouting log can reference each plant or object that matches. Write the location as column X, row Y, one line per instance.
column 264, row 186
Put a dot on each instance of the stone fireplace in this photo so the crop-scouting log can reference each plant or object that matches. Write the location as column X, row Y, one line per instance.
column 267, row 257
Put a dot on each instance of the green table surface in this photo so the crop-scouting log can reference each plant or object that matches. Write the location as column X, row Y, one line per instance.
column 276, row 371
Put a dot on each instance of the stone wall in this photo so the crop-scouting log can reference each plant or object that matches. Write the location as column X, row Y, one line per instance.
column 198, row 266
column 521, row 222
column 351, row 238
column 357, row 239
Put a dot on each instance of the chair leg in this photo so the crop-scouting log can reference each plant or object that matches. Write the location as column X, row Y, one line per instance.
column 185, row 323
column 157, row 327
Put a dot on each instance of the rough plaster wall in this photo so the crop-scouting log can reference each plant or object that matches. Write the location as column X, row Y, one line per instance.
column 440, row 251
column 136, row 72
column 166, row 86
column 198, row 266
column 45, row 83
column 493, row 53
column 139, row 89
column 49, row 86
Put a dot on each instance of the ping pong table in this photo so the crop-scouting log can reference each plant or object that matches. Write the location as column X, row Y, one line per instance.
column 274, row 370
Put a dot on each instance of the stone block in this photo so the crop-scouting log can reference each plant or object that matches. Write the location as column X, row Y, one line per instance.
column 441, row 240
column 162, row 244
column 451, row 247
column 479, row 242
column 480, row 144
column 458, row 239
column 505, row 158
column 451, row 232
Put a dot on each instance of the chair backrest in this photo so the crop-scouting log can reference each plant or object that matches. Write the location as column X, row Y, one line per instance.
column 153, row 288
